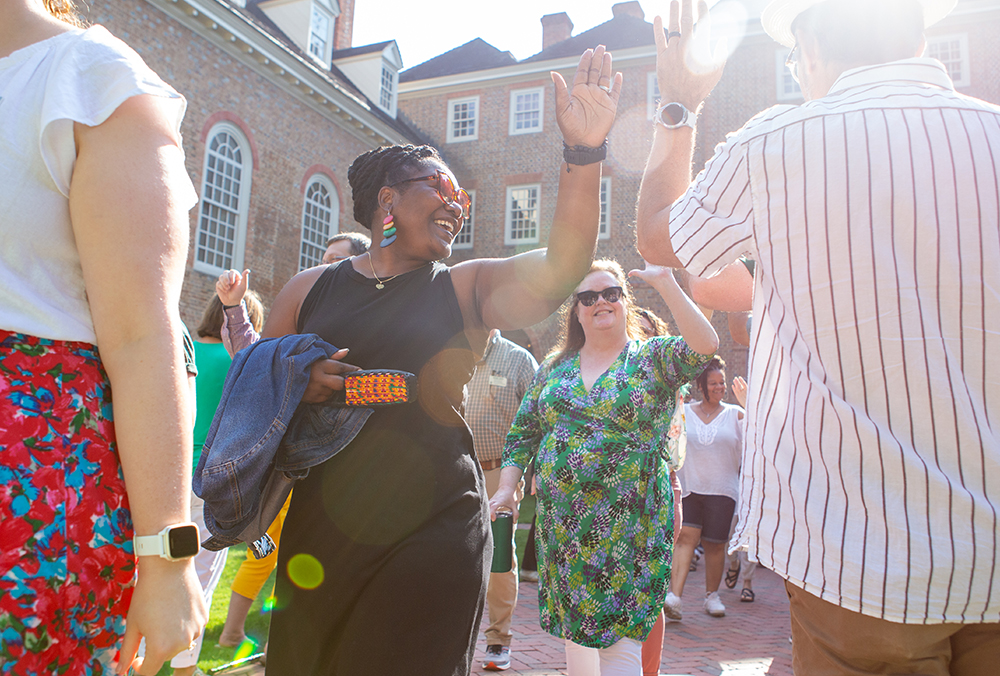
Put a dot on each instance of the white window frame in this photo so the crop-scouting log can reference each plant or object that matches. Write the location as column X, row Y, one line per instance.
column 604, row 229
column 393, row 86
column 452, row 104
column 783, row 76
column 317, row 12
column 209, row 200
column 652, row 94
column 466, row 238
column 508, row 221
column 317, row 242
column 963, row 48
column 512, row 125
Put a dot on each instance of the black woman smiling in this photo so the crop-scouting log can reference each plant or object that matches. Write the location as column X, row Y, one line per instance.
column 395, row 527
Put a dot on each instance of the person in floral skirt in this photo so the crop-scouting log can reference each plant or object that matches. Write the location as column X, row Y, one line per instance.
column 93, row 224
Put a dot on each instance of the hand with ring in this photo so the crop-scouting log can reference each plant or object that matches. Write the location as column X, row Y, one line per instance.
column 687, row 69
column 585, row 113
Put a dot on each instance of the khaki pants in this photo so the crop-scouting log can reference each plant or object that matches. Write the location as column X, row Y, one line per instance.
column 828, row 640
column 501, row 595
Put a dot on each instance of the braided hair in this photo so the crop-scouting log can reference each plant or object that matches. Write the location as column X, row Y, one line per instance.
column 381, row 167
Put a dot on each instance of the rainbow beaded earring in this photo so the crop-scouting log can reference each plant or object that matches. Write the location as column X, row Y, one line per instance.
column 388, row 230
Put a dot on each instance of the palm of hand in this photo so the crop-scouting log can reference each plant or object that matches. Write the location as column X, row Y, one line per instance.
column 588, row 115
column 586, row 112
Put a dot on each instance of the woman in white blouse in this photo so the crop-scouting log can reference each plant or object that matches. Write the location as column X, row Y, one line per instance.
column 710, row 487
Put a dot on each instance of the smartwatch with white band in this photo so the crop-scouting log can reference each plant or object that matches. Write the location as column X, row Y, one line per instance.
column 674, row 116
column 173, row 543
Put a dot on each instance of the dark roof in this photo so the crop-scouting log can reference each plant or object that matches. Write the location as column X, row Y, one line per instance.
column 366, row 49
column 256, row 16
column 474, row 55
column 621, row 32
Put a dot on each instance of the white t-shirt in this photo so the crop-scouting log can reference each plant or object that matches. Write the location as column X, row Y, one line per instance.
column 79, row 76
column 714, row 451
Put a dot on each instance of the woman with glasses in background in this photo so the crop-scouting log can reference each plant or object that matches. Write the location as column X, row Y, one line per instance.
column 395, row 527
column 595, row 421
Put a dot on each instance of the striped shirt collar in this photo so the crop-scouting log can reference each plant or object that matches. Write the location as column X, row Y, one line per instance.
column 918, row 70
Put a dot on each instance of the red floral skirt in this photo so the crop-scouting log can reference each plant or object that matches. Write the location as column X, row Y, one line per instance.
column 66, row 561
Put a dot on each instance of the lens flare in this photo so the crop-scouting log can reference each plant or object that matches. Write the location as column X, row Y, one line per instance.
column 245, row 649
column 305, row 571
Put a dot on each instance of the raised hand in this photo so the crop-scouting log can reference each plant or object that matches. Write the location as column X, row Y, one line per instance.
column 232, row 286
column 687, row 69
column 586, row 113
column 655, row 275
column 740, row 390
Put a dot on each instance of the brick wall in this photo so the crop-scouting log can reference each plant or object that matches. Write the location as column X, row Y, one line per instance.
column 288, row 139
column 498, row 159
column 748, row 86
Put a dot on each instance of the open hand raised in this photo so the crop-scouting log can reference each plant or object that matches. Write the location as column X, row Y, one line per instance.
column 687, row 68
column 586, row 113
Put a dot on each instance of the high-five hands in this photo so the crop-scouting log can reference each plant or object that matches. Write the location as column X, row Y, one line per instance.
column 687, row 68
column 586, row 113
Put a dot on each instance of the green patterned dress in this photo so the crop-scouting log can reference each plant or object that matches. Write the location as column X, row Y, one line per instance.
column 604, row 527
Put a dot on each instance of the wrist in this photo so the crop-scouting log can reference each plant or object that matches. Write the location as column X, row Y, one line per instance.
column 674, row 114
column 582, row 155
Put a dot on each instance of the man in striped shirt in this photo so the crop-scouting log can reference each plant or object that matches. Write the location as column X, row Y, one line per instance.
column 493, row 396
column 872, row 467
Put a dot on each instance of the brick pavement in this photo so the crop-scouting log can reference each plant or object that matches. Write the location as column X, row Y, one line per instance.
column 751, row 639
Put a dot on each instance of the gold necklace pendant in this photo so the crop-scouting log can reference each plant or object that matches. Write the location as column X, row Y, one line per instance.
column 379, row 283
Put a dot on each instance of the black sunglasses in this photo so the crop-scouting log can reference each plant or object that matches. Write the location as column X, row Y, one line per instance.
column 612, row 294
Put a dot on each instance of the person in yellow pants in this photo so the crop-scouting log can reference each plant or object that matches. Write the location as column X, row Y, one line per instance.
column 250, row 579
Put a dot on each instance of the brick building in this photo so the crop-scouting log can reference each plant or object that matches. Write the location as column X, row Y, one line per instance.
column 279, row 104
column 492, row 117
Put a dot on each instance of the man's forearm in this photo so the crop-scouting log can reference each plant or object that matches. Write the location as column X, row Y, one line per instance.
column 666, row 177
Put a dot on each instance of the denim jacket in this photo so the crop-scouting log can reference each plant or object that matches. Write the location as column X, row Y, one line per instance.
column 263, row 439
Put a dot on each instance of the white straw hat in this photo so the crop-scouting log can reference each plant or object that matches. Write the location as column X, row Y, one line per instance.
column 778, row 16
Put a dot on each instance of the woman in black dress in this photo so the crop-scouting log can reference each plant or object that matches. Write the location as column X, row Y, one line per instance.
column 382, row 559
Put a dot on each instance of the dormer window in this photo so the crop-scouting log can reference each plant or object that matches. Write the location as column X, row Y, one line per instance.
column 387, row 92
column 319, row 34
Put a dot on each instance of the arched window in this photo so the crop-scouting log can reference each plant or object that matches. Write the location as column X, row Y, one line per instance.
column 225, row 195
column 320, row 220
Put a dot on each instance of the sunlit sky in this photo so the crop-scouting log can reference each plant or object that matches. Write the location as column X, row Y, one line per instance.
column 424, row 30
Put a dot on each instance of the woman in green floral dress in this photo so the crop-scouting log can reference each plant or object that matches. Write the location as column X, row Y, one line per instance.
column 595, row 420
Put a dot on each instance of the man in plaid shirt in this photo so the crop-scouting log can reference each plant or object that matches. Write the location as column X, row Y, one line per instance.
column 494, row 394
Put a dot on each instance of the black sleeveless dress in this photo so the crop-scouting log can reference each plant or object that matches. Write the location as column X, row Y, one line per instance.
column 396, row 525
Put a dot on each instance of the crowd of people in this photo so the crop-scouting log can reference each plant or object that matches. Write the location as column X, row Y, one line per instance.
column 850, row 238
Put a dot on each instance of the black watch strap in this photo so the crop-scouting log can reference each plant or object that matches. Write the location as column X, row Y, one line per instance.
column 583, row 155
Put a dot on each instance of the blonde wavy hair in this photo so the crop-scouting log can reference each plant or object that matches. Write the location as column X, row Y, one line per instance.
column 64, row 10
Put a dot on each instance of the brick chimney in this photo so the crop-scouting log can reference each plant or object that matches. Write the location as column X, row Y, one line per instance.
column 343, row 31
column 628, row 9
column 556, row 28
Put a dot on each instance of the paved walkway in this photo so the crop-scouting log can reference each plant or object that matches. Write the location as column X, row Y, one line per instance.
column 751, row 639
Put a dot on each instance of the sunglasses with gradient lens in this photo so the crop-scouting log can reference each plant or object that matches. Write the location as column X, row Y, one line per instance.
column 446, row 189
column 612, row 294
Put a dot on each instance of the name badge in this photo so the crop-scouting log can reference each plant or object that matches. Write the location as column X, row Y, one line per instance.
column 499, row 381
